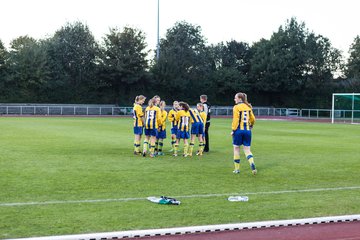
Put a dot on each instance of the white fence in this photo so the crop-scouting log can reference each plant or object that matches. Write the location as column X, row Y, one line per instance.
column 112, row 110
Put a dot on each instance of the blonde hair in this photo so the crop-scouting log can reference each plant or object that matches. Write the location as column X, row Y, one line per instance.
column 200, row 105
column 151, row 102
column 243, row 98
column 139, row 98
column 162, row 104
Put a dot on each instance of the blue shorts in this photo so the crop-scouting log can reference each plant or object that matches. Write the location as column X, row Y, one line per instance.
column 197, row 128
column 138, row 130
column 174, row 130
column 242, row 137
column 161, row 134
column 151, row 132
column 182, row 135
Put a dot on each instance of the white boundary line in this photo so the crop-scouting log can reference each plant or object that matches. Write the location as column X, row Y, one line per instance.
column 199, row 229
column 186, row 196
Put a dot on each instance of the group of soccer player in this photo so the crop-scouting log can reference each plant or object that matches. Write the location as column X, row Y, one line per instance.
column 182, row 117
column 152, row 122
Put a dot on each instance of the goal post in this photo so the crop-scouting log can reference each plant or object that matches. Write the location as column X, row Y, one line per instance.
column 345, row 108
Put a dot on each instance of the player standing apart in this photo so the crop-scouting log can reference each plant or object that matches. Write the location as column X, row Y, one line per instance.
column 138, row 116
column 207, row 110
column 243, row 121
column 152, row 122
column 162, row 129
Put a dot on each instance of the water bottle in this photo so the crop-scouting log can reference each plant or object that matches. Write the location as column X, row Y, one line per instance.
column 238, row 198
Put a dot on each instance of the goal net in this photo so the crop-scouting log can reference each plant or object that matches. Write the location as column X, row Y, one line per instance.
column 345, row 108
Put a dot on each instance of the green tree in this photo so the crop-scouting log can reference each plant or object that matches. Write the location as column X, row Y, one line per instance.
column 124, row 67
column 293, row 62
column 28, row 70
column 3, row 69
column 230, row 64
column 353, row 64
column 73, row 58
column 183, row 63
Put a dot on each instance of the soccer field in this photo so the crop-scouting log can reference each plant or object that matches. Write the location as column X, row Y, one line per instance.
column 79, row 175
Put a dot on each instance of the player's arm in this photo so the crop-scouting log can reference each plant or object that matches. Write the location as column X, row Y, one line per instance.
column 252, row 118
column 171, row 115
column 203, row 116
column 236, row 118
column 177, row 116
column 164, row 117
column 159, row 118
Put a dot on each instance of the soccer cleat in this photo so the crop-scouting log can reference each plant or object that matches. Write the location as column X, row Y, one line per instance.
column 199, row 153
column 152, row 155
column 253, row 169
column 236, row 171
column 160, row 154
column 185, row 155
column 175, row 154
column 137, row 153
column 144, row 154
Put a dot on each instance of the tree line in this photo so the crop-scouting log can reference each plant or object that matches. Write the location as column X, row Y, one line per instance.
column 294, row 68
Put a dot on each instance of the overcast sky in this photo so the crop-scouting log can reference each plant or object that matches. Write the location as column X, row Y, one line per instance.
column 220, row 20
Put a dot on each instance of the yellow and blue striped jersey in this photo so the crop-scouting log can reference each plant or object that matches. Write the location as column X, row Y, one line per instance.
column 243, row 117
column 184, row 120
column 203, row 116
column 172, row 117
column 163, row 120
column 152, row 117
column 195, row 115
column 137, row 115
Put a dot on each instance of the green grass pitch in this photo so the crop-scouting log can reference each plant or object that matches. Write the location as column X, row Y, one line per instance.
column 69, row 161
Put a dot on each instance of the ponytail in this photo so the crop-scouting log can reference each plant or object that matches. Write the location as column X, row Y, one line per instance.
column 185, row 106
column 243, row 98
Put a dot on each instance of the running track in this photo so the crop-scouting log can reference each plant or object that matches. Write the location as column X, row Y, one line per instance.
column 325, row 231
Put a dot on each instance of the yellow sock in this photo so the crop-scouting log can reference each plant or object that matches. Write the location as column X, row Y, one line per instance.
column 191, row 148
column 250, row 159
column 145, row 146
column 137, row 146
column 152, row 149
column 186, row 148
column 201, row 147
column 156, row 145
column 160, row 145
column 237, row 162
column 176, row 146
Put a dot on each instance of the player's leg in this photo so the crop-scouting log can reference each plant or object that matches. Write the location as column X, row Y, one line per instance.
column 146, row 143
column 247, row 151
column 152, row 146
column 191, row 146
column 201, row 145
column 250, row 159
column 237, row 142
column 236, row 159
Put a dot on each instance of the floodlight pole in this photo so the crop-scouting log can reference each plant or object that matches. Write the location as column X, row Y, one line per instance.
column 158, row 29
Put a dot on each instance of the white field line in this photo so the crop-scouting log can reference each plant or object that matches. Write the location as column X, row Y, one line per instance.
column 179, row 197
